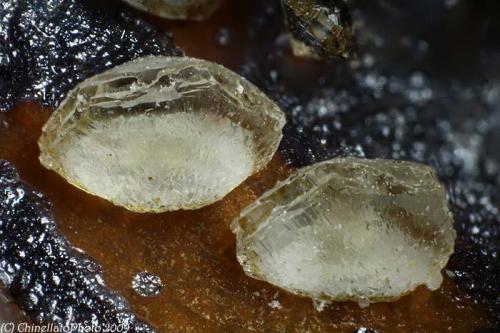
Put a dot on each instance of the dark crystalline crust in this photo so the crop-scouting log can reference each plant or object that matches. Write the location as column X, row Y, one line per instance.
column 47, row 47
column 301, row 19
column 50, row 280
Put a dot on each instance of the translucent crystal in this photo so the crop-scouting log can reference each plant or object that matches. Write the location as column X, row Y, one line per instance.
column 349, row 229
column 162, row 133
column 318, row 28
column 197, row 10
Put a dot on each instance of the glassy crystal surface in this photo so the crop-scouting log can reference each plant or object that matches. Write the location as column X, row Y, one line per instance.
column 318, row 28
column 197, row 10
column 162, row 133
column 349, row 229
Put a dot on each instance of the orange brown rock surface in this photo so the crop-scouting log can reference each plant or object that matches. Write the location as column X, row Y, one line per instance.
column 194, row 254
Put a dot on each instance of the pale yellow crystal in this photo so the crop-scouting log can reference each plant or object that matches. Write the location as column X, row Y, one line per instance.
column 196, row 10
column 162, row 133
column 349, row 229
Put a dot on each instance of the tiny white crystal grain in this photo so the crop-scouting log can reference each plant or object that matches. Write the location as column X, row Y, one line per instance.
column 320, row 305
column 162, row 133
column 275, row 304
column 349, row 229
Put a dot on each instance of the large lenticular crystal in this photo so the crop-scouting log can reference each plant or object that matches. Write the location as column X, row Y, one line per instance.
column 349, row 229
column 196, row 10
column 162, row 133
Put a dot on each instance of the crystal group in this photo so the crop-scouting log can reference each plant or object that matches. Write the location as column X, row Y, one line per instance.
column 318, row 28
column 162, row 133
column 349, row 229
column 196, row 10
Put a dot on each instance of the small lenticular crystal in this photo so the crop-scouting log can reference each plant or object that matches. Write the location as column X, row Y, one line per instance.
column 349, row 229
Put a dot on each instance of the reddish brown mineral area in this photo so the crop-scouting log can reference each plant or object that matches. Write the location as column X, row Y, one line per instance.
column 194, row 254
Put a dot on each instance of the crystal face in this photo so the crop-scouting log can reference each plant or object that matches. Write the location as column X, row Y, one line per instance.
column 318, row 28
column 196, row 10
column 162, row 133
column 349, row 229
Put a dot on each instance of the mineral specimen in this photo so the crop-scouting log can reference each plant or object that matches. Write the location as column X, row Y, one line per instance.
column 319, row 28
column 196, row 10
column 349, row 229
column 162, row 133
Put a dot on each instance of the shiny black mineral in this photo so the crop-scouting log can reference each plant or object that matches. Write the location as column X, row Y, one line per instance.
column 52, row 281
column 47, row 46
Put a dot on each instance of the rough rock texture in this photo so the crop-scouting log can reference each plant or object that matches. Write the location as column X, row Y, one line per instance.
column 160, row 133
column 39, row 269
column 196, row 10
column 349, row 229
column 319, row 28
column 46, row 47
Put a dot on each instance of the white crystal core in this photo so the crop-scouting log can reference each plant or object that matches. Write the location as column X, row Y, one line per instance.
column 204, row 152
column 356, row 259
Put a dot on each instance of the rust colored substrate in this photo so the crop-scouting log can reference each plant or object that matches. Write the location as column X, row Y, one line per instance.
column 194, row 254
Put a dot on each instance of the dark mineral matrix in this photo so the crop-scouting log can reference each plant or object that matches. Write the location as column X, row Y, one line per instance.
column 53, row 282
column 48, row 46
